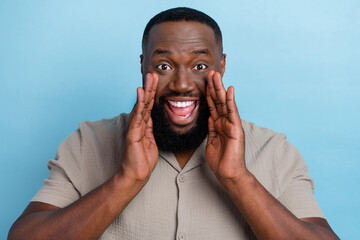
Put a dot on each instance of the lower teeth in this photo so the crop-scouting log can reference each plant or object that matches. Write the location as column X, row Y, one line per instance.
column 186, row 115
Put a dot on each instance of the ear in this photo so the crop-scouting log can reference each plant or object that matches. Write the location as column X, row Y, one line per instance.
column 223, row 62
column 141, row 62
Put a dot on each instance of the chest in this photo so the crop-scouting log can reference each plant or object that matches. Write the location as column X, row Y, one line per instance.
column 180, row 205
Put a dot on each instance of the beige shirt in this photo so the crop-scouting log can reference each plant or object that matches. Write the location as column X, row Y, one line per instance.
column 177, row 203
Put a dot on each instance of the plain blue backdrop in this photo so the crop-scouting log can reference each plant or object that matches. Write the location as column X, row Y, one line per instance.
column 295, row 66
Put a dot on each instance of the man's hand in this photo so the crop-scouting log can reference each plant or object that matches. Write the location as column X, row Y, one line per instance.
column 225, row 154
column 141, row 153
column 88, row 217
column 225, row 151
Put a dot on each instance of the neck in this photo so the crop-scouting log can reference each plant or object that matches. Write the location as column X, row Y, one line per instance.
column 184, row 156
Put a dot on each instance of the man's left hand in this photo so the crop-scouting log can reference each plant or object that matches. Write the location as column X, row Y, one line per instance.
column 225, row 150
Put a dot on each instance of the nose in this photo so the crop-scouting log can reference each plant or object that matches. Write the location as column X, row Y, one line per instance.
column 181, row 82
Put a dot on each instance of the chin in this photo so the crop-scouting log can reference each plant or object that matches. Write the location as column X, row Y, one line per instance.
column 179, row 129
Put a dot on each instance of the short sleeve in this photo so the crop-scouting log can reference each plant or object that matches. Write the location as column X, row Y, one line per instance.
column 295, row 185
column 61, row 187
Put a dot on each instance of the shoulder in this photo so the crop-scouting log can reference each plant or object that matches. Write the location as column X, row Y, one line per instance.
column 259, row 137
column 93, row 136
column 102, row 126
column 104, row 129
column 101, row 138
column 101, row 149
column 275, row 146
column 261, row 148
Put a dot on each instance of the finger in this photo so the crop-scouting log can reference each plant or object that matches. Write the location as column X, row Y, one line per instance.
column 220, row 92
column 212, row 107
column 151, row 82
column 147, row 110
column 210, row 87
column 136, row 115
column 212, row 130
column 231, row 106
column 149, row 128
column 155, row 83
column 210, row 95
column 148, row 89
column 150, row 94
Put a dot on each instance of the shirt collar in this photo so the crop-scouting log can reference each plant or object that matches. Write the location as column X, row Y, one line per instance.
column 196, row 159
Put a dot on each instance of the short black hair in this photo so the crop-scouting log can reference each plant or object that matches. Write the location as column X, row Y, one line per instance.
column 182, row 14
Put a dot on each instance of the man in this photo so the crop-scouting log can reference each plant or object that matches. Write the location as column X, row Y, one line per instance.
column 182, row 164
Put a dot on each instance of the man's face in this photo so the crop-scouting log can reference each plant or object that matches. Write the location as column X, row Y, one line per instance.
column 182, row 54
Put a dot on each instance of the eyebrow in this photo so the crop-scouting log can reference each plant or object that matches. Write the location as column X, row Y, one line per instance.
column 201, row 51
column 160, row 51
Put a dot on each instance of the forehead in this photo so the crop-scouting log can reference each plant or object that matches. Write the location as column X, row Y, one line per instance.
column 182, row 34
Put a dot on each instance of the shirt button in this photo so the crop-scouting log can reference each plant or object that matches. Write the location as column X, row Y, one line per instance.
column 181, row 236
column 181, row 178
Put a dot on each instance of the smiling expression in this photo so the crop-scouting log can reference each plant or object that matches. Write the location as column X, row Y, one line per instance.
column 182, row 54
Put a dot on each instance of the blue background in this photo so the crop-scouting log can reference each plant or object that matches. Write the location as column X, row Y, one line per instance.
column 295, row 66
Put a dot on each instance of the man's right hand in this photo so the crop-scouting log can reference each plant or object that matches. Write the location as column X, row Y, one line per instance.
column 141, row 152
column 88, row 217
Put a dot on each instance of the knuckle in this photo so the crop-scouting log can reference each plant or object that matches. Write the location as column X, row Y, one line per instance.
column 220, row 103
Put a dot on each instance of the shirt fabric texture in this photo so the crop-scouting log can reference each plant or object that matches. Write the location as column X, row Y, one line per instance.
column 177, row 203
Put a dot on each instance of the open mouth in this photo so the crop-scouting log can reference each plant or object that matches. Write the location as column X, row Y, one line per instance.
column 182, row 112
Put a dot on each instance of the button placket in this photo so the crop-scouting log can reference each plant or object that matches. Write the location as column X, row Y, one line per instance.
column 181, row 206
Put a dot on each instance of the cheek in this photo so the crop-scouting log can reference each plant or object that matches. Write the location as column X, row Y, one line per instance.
column 201, row 82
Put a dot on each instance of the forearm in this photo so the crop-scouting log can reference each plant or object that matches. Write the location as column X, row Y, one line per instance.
column 267, row 217
column 86, row 218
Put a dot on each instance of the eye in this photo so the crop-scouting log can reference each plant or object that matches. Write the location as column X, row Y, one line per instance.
column 200, row 67
column 163, row 67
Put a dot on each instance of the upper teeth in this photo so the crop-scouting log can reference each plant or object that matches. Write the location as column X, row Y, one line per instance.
column 181, row 103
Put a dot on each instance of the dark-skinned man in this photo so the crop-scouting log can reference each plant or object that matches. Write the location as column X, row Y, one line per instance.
column 182, row 165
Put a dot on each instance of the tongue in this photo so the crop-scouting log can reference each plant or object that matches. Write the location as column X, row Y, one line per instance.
column 182, row 111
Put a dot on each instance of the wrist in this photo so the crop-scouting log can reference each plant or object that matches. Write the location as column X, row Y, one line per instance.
column 134, row 173
column 126, row 181
column 238, row 183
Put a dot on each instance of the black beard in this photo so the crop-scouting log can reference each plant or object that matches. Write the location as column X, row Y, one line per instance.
column 169, row 140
